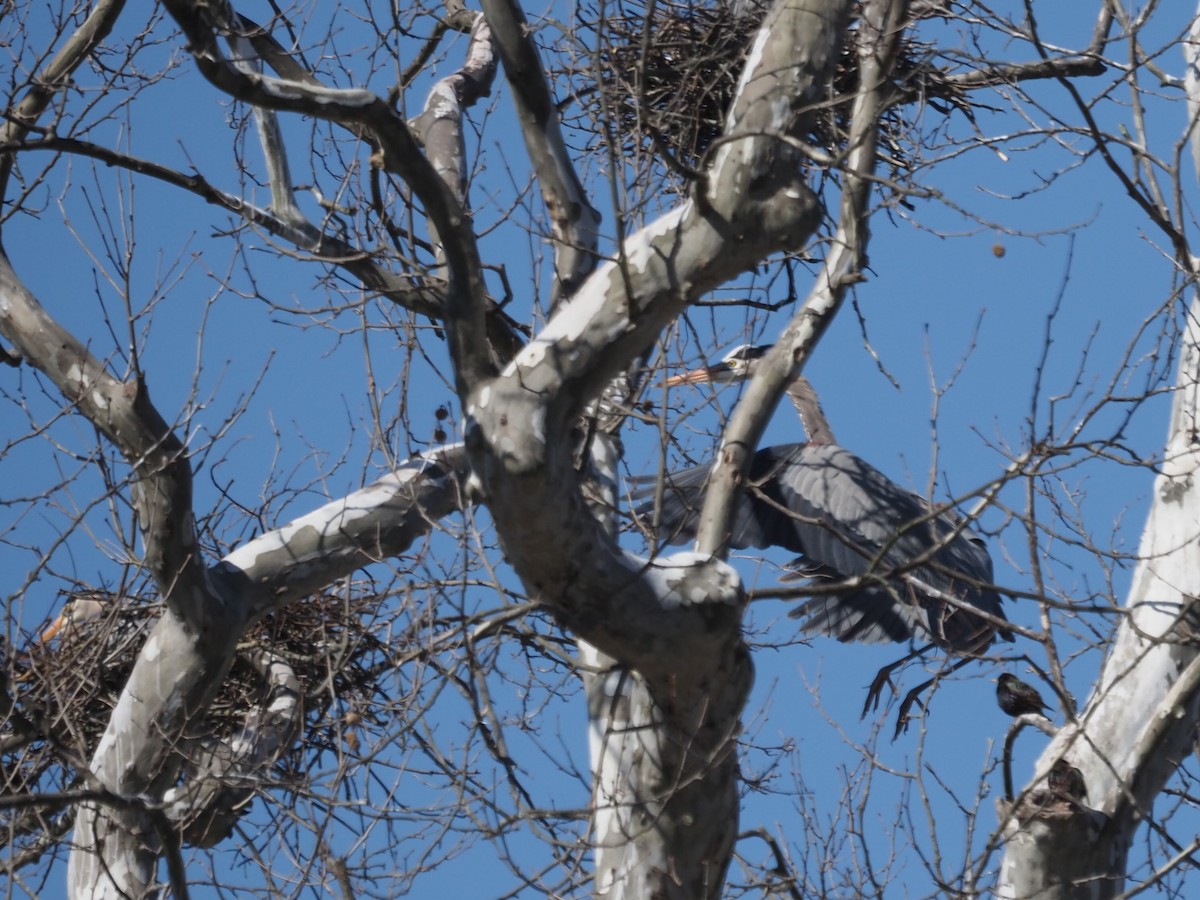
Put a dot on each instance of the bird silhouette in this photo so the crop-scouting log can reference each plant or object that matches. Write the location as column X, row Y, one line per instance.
column 1018, row 698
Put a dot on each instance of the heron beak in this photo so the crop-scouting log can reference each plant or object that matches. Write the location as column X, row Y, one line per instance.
column 697, row 376
column 55, row 627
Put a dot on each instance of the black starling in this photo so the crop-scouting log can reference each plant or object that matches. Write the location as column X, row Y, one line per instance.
column 1017, row 698
column 1066, row 782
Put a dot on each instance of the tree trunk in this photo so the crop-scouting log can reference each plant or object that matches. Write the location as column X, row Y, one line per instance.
column 666, row 718
column 1141, row 720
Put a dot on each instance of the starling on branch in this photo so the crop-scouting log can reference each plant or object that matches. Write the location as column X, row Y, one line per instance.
column 1017, row 698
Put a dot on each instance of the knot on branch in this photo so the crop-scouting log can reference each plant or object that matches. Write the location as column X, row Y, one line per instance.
column 764, row 212
column 1175, row 489
column 506, row 422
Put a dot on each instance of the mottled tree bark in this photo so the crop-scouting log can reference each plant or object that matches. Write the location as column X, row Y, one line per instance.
column 141, row 754
column 669, row 672
column 574, row 221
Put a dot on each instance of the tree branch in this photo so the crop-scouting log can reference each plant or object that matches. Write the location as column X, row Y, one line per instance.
column 399, row 152
column 1141, row 720
column 880, row 32
column 574, row 221
column 224, row 776
column 54, row 77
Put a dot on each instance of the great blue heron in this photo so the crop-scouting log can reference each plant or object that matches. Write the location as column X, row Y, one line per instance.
column 918, row 571
column 101, row 611
column 99, row 626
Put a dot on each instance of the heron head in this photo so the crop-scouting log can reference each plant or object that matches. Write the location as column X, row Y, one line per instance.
column 78, row 609
column 739, row 364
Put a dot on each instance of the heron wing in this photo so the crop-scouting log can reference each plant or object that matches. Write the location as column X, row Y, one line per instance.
column 682, row 501
column 849, row 520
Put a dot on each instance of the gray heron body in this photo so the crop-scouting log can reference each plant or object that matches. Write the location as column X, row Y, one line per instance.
column 917, row 571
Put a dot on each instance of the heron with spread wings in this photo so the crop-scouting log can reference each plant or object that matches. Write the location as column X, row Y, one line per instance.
column 913, row 571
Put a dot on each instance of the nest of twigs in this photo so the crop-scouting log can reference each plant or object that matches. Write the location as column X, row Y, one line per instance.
column 65, row 690
column 669, row 70
column 669, row 77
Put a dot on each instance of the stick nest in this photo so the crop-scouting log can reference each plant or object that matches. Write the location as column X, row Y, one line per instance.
column 668, row 72
column 62, row 693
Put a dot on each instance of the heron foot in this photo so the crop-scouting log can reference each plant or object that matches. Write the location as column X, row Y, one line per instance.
column 875, row 691
column 911, row 699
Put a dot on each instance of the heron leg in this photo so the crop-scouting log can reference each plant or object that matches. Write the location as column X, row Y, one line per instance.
column 884, row 677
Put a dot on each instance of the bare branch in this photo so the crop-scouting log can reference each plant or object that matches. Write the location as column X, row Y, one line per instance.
column 574, row 221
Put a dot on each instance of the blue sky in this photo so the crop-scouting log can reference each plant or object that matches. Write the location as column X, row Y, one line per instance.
column 939, row 300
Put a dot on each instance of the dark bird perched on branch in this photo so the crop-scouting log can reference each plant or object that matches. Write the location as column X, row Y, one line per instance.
column 920, row 572
column 1018, row 698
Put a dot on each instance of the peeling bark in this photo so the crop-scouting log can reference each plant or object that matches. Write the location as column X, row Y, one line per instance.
column 188, row 654
column 880, row 30
column 1191, row 83
column 398, row 152
column 224, row 775
column 142, row 751
column 666, row 669
column 54, row 76
column 440, row 125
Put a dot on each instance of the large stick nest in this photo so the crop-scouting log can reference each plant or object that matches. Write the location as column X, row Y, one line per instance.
column 63, row 692
column 668, row 72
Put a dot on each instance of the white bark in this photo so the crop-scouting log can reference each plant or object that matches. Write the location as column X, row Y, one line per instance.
column 1142, row 717
column 283, row 200
column 671, row 673
column 223, row 775
column 574, row 221
column 440, row 126
column 399, row 151
column 189, row 652
column 880, row 30
column 630, row 749
column 1191, row 82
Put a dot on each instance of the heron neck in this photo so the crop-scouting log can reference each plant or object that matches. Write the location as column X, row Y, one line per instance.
column 804, row 398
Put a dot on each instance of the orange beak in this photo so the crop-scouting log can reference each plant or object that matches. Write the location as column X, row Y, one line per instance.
column 697, row 376
column 55, row 627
